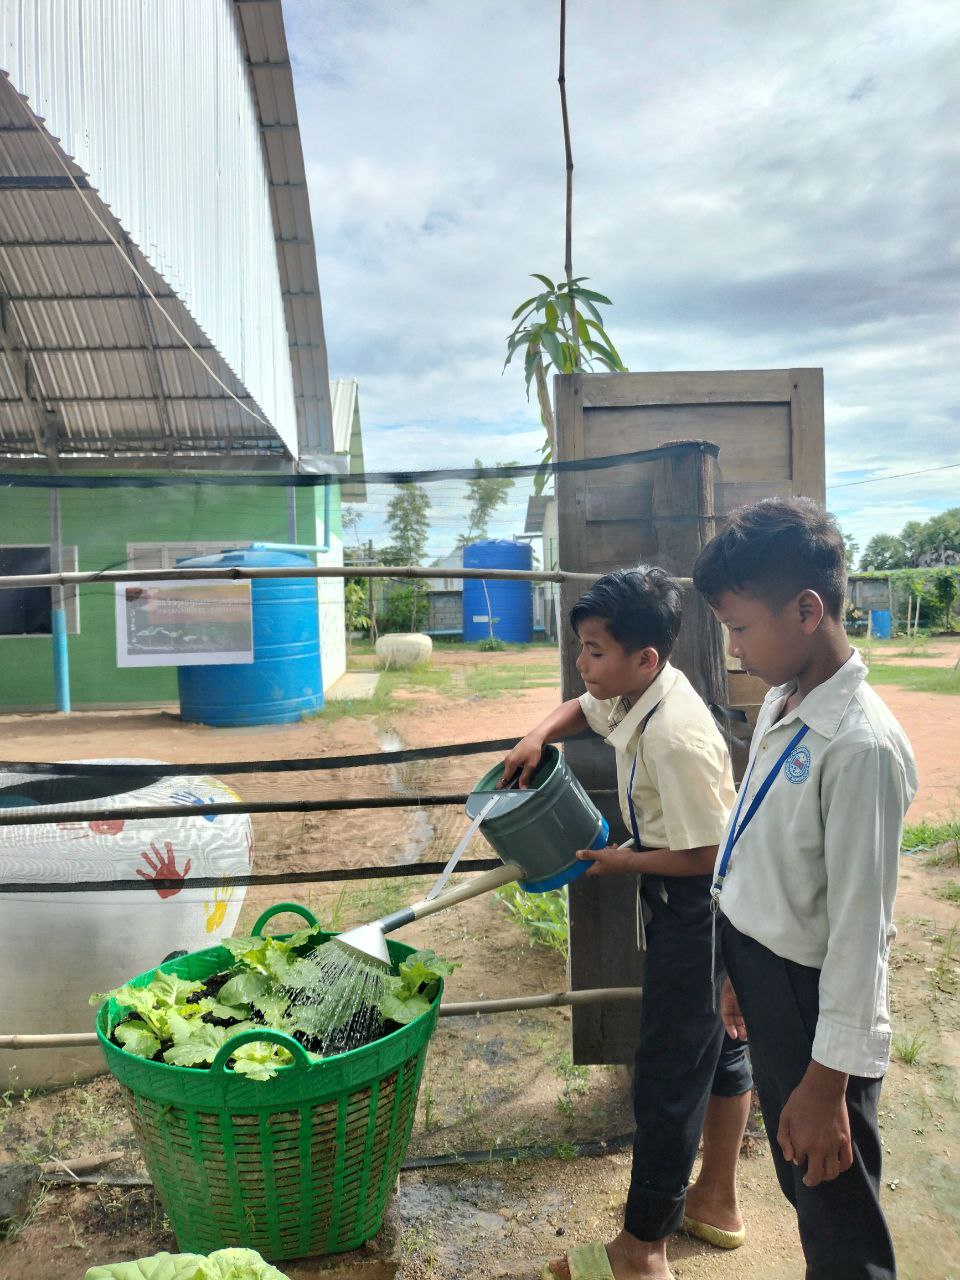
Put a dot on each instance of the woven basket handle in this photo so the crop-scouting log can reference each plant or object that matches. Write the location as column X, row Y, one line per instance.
column 301, row 1059
column 279, row 909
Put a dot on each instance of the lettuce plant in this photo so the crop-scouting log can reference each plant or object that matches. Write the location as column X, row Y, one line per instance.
column 168, row 1019
column 225, row 1264
column 413, row 988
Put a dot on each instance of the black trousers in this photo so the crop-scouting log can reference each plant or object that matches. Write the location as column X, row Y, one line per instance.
column 842, row 1228
column 683, row 1055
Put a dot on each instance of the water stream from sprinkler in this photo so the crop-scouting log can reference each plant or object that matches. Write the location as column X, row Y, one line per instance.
column 336, row 1003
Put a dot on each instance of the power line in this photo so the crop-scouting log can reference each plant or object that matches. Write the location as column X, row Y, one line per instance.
column 899, row 475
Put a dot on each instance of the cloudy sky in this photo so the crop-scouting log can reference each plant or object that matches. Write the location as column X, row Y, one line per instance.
column 757, row 184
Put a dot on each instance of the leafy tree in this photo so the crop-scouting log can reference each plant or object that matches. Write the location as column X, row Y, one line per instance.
column 408, row 517
column 850, row 549
column 562, row 322
column 883, row 551
column 356, row 605
column 485, row 494
column 911, row 535
column 560, row 328
column 947, row 590
column 940, row 535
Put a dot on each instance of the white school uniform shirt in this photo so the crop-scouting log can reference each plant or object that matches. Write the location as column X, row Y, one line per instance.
column 814, row 875
column 683, row 785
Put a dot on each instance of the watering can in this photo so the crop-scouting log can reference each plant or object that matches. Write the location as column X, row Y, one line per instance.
column 536, row 832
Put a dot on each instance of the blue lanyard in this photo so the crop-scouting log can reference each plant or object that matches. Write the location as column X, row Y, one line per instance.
column 737, row 827
column 637, row 844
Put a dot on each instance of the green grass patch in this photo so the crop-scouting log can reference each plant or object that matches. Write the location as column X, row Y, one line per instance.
column 939, row 840
column 950, row 892
column 542, row 916
column 448, row 644
column 916, row 679
column 376, row 898
column 927, row 835
column 908, row 1048
column 441, row 679
column 490, row 679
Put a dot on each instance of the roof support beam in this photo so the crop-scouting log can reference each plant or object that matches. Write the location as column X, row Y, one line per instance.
column 84, row 297
column 55, row 244
column 45, row 423
column 97, row 459
column 152, row 399
column 148, row 335
column 109, row 349
column 41, row 182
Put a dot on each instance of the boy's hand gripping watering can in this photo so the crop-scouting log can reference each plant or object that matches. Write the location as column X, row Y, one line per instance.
column 536, row 832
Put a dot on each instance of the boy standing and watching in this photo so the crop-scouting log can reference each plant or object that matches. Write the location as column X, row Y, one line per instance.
column 807, row 874
column 676, row 789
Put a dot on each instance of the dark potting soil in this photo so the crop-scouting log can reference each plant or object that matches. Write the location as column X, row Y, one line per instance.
column 352, row 1034
column 363, row 1027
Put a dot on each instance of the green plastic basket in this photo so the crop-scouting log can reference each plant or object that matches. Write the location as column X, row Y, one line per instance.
column 300, row 1164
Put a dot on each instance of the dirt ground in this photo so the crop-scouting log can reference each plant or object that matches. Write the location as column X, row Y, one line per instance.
column 501, row 1080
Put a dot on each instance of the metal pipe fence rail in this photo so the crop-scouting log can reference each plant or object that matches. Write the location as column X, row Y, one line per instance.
column 360, row 760
column 455, row 1009
column 243, row 573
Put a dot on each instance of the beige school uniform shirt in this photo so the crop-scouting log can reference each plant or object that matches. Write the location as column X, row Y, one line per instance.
column 814, row 875
column 683, row 785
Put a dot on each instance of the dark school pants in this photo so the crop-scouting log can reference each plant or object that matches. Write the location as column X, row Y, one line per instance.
column 842, row 1228
column 683, row 1055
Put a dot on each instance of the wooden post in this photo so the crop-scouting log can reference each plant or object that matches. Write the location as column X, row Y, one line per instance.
column 684, row 519
column 603, row 929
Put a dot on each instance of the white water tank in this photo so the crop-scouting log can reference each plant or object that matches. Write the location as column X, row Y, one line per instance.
column 56, row 949
column 402, row 650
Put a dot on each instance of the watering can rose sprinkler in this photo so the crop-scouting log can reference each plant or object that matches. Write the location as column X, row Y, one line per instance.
column 536, row 832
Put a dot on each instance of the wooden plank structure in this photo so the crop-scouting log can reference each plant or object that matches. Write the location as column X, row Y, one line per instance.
column 738, row 436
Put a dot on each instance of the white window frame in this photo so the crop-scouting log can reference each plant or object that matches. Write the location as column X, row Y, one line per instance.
column 71, row 596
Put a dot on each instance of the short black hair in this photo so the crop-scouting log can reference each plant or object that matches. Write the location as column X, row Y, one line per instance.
column 773, row 550
column 639, row 607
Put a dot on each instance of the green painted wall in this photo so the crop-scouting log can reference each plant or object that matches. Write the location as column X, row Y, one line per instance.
column 100, row 523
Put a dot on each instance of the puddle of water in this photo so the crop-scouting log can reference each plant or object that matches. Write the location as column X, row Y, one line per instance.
column 411, row 776
column 493, row 1051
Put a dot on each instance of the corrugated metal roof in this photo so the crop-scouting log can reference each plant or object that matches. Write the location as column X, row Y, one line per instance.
column 264, row 38
column 347, row 438
column 77, row 323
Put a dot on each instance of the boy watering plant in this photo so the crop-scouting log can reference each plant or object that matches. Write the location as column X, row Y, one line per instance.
column 676, row 789
column 806, row 876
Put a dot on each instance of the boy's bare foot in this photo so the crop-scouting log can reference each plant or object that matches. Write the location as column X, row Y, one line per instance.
column 718, row 1210
column 630, row 1258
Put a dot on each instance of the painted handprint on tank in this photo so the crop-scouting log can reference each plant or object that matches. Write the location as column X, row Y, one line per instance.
column 107, row 826
column 217, row 909
column 191, row 797
column 163, row 866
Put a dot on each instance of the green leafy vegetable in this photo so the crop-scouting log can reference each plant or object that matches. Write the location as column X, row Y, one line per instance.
column 259, row 1059
column 244, row 988
column 412, row 990
column 137, row 1038
column 225, row 1264
column 167, row 1021
column 195, row 1043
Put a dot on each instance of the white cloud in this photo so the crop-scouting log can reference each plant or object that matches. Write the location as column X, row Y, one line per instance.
column 751, row 191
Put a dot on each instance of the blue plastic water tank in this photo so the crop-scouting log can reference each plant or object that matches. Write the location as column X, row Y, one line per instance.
column 283, row 682
column 881, row 624
column 511, row 603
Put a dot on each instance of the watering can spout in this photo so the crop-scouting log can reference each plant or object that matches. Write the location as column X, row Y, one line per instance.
column 368, row 941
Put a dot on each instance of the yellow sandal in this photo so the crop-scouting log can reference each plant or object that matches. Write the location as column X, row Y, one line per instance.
column 716, row 1236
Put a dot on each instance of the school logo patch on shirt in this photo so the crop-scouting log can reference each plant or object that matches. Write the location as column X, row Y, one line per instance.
column 797, row 768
